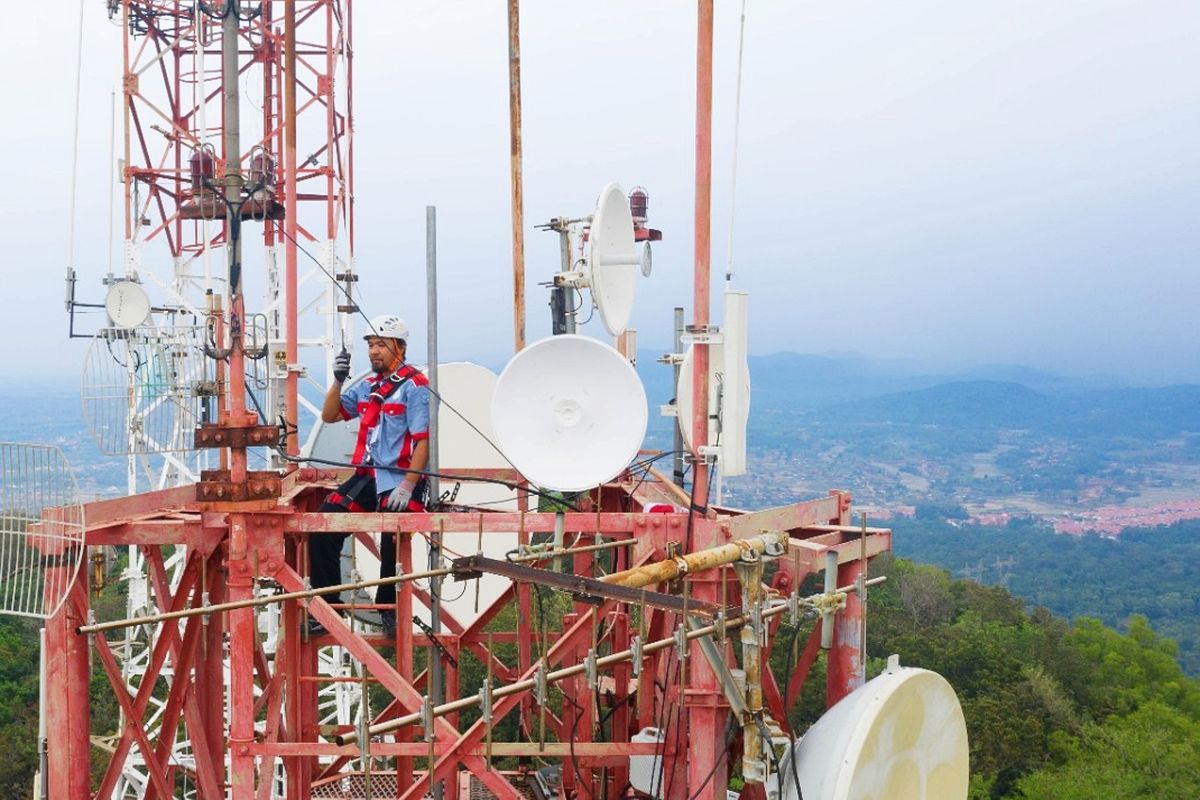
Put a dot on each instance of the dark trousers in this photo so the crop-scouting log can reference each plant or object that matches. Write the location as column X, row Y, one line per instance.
column 325, row 549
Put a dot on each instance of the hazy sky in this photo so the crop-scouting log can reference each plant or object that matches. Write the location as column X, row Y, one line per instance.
column 1013, row 182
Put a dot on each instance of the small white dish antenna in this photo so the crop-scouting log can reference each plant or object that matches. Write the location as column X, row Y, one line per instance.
column 127, row 304
column 901, row 735
column 41, row 530
column 645, row 258
column 613, row 261
column 569, row 412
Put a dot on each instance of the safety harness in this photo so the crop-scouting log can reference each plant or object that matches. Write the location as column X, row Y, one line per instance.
column 370, row 416
column 358, row 493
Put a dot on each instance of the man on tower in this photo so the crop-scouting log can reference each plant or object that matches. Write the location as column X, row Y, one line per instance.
column 391, row 451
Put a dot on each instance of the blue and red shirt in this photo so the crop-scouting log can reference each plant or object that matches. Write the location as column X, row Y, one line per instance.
column 394, row 427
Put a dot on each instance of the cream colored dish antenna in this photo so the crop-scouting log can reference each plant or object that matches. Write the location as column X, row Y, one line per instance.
column 127, row 304
column 569, row 412
column 902, row 736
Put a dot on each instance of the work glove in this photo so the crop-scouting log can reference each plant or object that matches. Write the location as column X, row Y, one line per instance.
column 398, row 499
column 341, row 366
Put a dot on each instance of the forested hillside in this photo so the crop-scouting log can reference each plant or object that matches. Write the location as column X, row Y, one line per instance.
column 1146, row 571
column 1055, row 711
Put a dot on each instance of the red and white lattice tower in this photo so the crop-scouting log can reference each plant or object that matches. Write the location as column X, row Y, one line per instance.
column 174, row 157
column 174, row 163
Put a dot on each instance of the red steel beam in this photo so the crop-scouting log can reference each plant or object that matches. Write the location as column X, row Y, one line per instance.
column 391, row 680
column 459, row 753
column 67, row 718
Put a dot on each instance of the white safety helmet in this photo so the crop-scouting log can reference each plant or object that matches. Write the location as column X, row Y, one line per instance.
column 388, row 326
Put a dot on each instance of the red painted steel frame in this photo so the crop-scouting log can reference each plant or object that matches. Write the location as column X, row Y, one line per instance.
column 162, row 121
column 235, row 757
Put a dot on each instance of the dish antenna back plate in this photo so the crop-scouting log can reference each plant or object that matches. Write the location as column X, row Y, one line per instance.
column 613, row 263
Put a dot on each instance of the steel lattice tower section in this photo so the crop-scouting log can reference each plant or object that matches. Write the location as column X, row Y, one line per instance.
column 624, row 656
column 174, row 118
column 173, row 112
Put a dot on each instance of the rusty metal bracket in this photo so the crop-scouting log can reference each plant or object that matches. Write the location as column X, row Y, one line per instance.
column 215, row 485
column 211, row 435
column 587, row 589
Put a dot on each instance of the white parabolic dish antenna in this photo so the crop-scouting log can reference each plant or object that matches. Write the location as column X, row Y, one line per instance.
column 902, row 736
column 613, row 263
column 569, row 412
column 127, row 304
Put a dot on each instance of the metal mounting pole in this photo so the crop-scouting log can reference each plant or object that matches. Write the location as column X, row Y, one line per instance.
column 434, row 487
column 518, row 202
column 701, row 280
column 677, row 441
column 233, row 238
column 290, row 226
column 705, row 721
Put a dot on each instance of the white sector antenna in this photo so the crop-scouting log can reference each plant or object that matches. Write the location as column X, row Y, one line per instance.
column 569, row 412
column 613, row 262
column 901, row 735
column 728, row 390
column 127, row 304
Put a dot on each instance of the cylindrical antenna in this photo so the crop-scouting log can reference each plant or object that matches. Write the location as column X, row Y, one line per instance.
column 737, row 124
column 112, row 174
column 75, row 143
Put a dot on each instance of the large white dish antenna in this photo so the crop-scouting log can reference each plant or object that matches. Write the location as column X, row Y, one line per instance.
column 466, row 390
column 569, row 412
column 613, row 263
column 469, row 388
column 127, row 304
column 41, row 530
column 902, row 736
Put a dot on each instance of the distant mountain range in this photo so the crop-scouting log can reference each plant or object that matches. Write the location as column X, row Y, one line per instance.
column 1129, row 412
column 855, row 390
column 846, row 421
